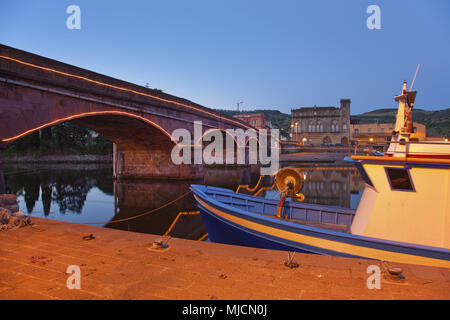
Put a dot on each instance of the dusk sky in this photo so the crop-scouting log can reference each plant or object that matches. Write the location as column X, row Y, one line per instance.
column 269, row 54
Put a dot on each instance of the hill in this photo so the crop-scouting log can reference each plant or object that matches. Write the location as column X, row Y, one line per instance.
column 437, row 122
column 278, row 119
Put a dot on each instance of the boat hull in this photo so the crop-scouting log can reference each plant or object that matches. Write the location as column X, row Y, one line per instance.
column 221, row 232
column 229, row 225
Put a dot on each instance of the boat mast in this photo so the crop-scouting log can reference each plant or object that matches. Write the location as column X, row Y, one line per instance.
column 404, row 125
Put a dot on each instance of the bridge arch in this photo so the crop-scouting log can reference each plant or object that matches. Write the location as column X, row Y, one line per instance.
column 143, row 147
column 37, row 92
column 80, row 116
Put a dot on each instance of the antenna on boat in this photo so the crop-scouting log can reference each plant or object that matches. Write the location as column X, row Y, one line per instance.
column 414, row 79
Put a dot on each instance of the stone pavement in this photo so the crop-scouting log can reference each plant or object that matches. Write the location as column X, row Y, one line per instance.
column 121, row 265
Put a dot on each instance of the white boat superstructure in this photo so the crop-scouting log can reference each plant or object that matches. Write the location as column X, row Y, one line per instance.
column 405, row 142
column 407, row 191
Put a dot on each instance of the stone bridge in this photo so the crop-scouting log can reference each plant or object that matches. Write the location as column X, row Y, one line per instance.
column 37, row 92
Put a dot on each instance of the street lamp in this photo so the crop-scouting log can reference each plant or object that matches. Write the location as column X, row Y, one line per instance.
column 296, row 131
column 238, row 104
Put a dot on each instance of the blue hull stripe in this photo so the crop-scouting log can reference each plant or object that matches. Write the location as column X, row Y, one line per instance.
column 225, row 231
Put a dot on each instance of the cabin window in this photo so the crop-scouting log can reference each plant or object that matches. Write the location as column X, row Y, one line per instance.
column 399, row 179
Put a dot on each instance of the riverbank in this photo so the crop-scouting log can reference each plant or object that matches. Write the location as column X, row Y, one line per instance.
column 122, row 265
column 88, row 158
column 326, row 157
column 314, row 157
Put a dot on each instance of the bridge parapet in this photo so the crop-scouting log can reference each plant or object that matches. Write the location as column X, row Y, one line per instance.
column 18, row 65
column 37, row 92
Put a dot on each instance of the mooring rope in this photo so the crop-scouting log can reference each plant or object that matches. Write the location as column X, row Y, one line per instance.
column 181, row 213
column 142, row 214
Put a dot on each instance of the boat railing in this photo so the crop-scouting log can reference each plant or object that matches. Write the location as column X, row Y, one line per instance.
column 295, row 210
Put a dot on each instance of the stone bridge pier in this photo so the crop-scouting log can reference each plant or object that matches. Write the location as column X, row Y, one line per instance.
column 140, row 150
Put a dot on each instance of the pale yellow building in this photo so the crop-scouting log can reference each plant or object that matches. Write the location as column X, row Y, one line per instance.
column 381, row 132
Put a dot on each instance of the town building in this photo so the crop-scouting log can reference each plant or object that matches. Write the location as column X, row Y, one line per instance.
column 256, row 120
column 381, row 133
column 321, row 125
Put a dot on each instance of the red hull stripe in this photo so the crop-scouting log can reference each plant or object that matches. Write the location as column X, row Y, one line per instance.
column 424, row 156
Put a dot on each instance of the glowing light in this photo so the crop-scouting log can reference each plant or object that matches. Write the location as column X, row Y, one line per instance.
column 124, row 89
column 87, row 114
column 117, row 112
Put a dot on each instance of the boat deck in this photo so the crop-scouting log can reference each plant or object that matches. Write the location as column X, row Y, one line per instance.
column 316, row 224
column 311, row 215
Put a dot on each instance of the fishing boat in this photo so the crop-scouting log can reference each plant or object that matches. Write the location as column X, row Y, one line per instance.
column 403, row 215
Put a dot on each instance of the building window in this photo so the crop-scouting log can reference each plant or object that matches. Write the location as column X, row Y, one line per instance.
column 334, row 127
column 369, row 130
column 318, row 127
column 255, row 122
column 399, row 179
column 344, row 127
column 356, row 131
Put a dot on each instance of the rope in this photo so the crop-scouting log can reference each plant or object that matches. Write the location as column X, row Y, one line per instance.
column 142, row 214
column 203, row 237
column 181, row 213
column 246, row 186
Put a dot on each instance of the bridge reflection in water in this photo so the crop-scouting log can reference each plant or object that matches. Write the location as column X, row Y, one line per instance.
column 88, row 194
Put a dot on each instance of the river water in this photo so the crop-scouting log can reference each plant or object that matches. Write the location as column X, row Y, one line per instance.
column 87, row 193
